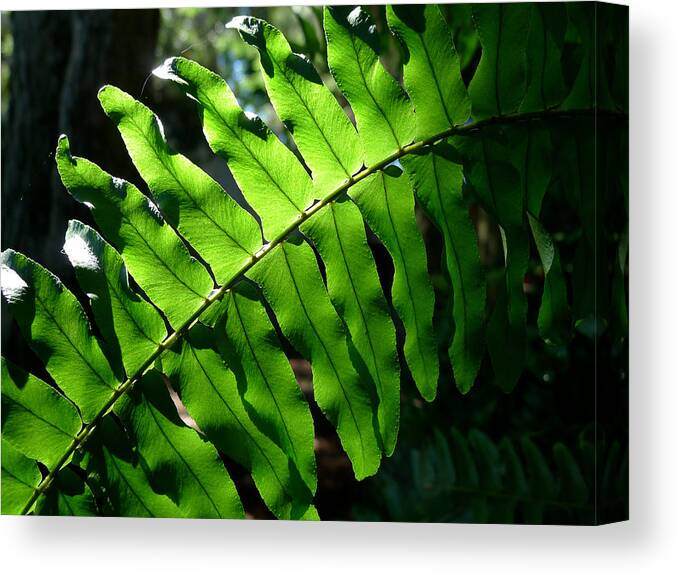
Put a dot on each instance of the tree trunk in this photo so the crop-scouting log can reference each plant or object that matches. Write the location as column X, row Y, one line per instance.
column 59, row 62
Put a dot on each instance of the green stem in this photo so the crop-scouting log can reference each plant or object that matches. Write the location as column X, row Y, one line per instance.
column 171, row 339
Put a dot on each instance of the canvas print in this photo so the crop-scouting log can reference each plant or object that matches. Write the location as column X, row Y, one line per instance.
column 362, row 263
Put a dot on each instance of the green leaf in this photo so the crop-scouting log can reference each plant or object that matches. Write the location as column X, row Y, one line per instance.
column 575, row 157
column 68, row 495
column 20, row 477
column 131, row 327
column 127, row 487
column 582, row 19
column 575, row 163
column 223, row 233
column 55, row 325
column 353, row 284
column 383, row 113
column 265, row 379
column 323, row 133
column 498, row 184
column 210, row 393
column 437, row 182
column 387, row 204
column 545, row 81
column 316, row 269
column 460, row 20
column 534, row 157
column 154, row 254
column 554, row 313
column 506, row 335
column 292, row 285
column 431, row 68
column 500, row 82
column 180, row 463
column 274, row 181
column 36, row 418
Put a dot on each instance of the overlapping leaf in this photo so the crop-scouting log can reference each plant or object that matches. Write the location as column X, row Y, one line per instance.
column 131, row 327
column 432, row 75
column 119, row 469
column 210, row 393
column 309, row 321
column 500, row 82
column 267, row 385
column 386, row 202
column 180, row 463
column 20, row 477
column 151, row 249
column 36, row 418
column 56, row 327
column 437, row 181
column 223, row 233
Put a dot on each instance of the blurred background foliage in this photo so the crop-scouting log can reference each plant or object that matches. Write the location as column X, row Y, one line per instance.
column 527, row 456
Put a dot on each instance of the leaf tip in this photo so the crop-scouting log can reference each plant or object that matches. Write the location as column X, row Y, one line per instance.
column 105, row 89
column 251, row 29
column 12, row 284
column 78, row 247
column 63, row 144
column 113, row 99
column 168, row 70
column 236, row 22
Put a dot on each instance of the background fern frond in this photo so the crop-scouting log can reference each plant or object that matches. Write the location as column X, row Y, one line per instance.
column 455, row 477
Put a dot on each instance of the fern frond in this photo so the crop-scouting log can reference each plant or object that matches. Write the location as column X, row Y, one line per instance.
column 470, row 478
column 195, row 320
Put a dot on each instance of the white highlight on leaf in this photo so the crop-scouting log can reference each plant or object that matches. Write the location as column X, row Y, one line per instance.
column 161, row 128
column 155, row 211
column 80, row 254
column 303, row 57
column 354, row 16
column 119, row 186
column 166, row 72
column 13, row 287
